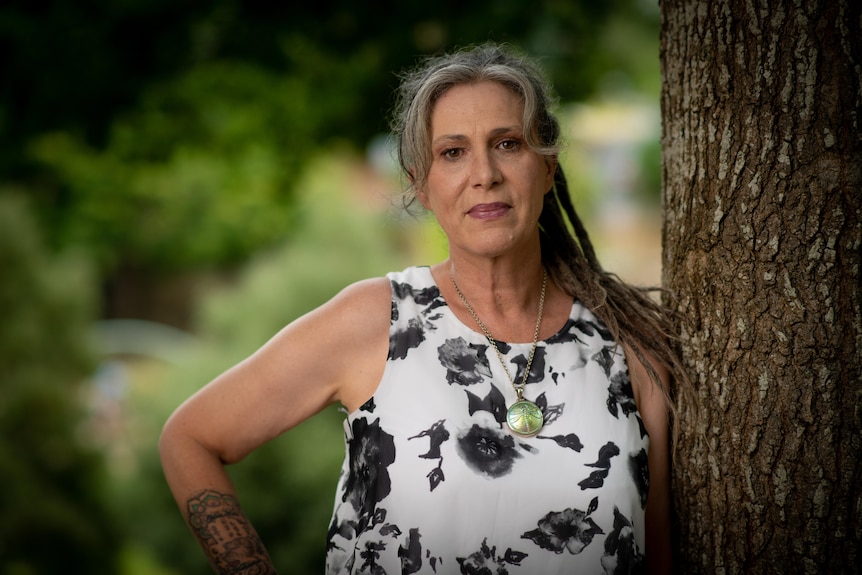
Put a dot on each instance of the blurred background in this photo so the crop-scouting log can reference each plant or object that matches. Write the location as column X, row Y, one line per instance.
column 178, row 180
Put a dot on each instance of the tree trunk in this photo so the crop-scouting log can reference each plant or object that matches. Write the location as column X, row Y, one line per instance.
column 762, row 192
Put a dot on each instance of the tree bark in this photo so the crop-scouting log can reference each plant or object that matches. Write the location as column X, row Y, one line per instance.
column 762, row 194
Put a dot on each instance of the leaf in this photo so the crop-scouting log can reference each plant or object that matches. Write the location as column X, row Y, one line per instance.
column 436, row 477
column 514, row 557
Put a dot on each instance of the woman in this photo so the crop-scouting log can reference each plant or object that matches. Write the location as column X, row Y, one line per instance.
column 508, row 407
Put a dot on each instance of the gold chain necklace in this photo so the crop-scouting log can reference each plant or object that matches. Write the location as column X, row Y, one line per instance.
column 523, row 417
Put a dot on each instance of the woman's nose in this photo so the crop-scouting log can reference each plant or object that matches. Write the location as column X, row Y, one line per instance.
column 485, row 171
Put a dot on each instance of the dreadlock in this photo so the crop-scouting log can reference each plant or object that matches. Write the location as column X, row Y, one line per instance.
column 634, row 318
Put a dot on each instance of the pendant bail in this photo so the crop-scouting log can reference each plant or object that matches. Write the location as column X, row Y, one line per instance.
column 520, row 392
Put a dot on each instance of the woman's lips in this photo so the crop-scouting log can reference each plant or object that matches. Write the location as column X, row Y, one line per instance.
column 489, row 211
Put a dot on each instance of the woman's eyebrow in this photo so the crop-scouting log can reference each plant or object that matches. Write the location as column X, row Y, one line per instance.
column 454, row 138
column 449, row 138
column 505, row 130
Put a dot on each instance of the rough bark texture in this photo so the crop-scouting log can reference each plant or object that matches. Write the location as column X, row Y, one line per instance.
column 762, row 104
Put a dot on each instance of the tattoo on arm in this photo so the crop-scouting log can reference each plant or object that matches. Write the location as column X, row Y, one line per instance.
column 226, row 535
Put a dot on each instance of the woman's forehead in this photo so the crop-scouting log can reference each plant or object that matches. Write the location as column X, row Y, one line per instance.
column 469, row 104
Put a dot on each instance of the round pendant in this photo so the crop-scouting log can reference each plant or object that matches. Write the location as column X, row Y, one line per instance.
column 525, row 418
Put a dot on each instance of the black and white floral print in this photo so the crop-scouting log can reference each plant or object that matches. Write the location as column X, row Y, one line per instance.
column 437, row 434
column 409, row 331
column 567, row 530
column 570, row 441
column 370, row 452
column 411, row 553
column 620, row 395
column 640, row 474
column 494, row 403
column 621, row 550
column 602, row 465
column 434, row 482
column 488, row 451
column 466, row 364
column 486, row 561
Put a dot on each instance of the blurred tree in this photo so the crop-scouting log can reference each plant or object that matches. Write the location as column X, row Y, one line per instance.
column 53, row 517
column 195, row 174
column 167, row 136
column 73, row 66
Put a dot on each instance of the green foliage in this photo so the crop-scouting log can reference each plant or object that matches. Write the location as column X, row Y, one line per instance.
column 74, row 67
column 54, row 520
column 339, row 239
column 201, row 173
column 180, row 149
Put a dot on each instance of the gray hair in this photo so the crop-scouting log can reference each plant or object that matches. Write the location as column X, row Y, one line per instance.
column 422, row 88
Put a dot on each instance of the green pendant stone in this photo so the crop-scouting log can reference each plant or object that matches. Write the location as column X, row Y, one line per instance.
column 525, row 418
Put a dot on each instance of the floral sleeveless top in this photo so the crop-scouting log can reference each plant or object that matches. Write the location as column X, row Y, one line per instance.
column 433, row 481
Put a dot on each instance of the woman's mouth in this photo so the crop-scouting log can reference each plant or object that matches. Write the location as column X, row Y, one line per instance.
column 491, row 211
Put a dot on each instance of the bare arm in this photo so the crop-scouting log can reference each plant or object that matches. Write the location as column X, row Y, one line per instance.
column 654, row 413
column 335, row 353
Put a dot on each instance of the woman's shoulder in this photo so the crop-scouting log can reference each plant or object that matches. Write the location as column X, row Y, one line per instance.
column 376, row 289
column 381, row 286
column 344, row 342
column 363, row 299
column 363, row 310
column 366, row 305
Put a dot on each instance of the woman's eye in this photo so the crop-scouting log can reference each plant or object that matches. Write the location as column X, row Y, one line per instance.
column 509, row 145
column 452, row 153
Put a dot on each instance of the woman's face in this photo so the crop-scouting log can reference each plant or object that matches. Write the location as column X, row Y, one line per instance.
column 485, row 185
